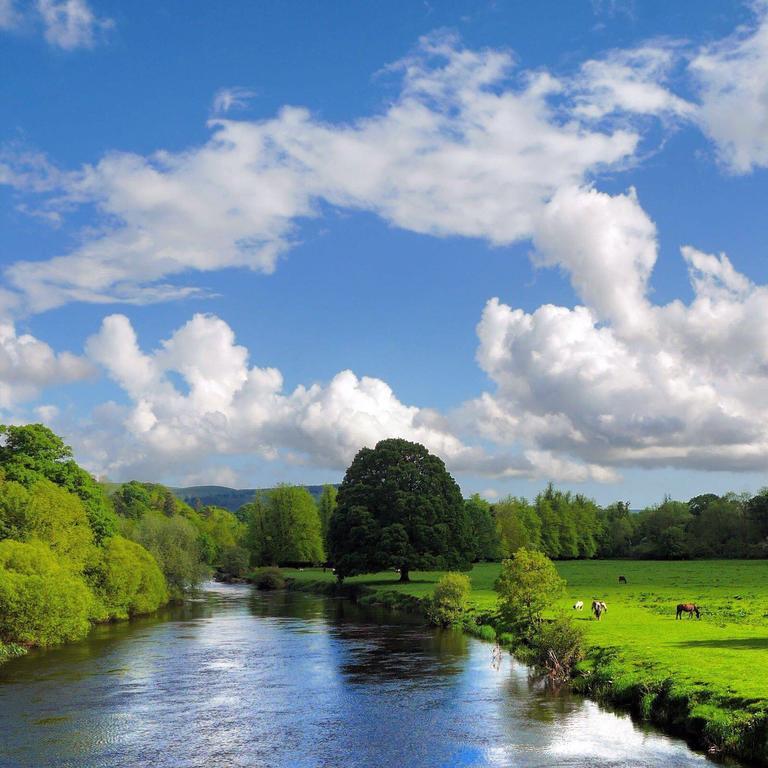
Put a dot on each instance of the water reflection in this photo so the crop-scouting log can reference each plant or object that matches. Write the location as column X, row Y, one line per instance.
column 241, row 678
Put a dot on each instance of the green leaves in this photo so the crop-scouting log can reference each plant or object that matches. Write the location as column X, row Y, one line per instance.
column 399, row 507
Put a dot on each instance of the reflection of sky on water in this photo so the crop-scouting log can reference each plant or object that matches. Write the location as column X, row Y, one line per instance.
column 246, row 679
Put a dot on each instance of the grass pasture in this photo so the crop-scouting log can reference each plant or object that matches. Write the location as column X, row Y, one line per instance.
column 724, row 654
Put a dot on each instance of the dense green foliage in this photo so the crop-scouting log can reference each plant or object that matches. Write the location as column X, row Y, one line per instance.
column 326, row 505
column 127, row 581
column 527, row 585
column 449, row 601
column 32, row 452
column 485, row 539
column 558, row 645
column 63, row 564
column 569, row 526
column 399, row 507
column 284, row 527
column 269, row 577
column 41, row 600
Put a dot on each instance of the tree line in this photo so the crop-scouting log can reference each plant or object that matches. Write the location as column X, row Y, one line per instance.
column 74, row 551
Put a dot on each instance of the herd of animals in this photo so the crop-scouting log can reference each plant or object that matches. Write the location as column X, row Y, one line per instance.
column 599, row 607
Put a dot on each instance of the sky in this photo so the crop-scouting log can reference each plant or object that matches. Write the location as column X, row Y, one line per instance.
column 240, row 241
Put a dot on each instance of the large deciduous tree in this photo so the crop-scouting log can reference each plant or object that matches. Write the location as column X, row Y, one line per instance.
column 32, row 451
column 399, row 507
column 284, row 527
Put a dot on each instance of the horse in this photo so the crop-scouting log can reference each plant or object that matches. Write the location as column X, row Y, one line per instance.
column 689, row 608
column 578, row 605
column 599, row 608
column 622, row 579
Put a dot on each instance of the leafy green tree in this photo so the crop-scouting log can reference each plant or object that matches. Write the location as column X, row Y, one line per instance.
column 235, row 561
column 616, row 530
column 718, row 528
column 517, row 525
column 662, row 530
column 49, row 514
column 398, row 506
column 41, row 602
column 173, row 542
column 326, row 505
column 132, row 500
column 528, row 585
column 550, row 526
column 127, row 580
column 284, row 527
column 449, row 601
column 222, row 530
column 484, row 537
column 33, row 452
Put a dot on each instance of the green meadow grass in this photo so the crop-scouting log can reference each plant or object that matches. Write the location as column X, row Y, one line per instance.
column 724, row 654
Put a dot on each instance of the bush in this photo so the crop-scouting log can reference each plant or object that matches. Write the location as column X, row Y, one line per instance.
column 128, row 580
column 449, row 601
column 528, row 584
column 11, row 651
column 559, row 646
column 173, row 541
column 234, row 561
column 269, row 578
column 41, row 603
column 483, row 631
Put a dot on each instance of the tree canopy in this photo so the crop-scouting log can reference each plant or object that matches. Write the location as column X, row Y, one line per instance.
column 32, row 451
column 399, row 507
column 284, row 527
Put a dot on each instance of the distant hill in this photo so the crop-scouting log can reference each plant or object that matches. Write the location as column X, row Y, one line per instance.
column 229, row 498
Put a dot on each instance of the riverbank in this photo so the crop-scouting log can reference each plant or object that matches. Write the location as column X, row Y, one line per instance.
column 703, row 680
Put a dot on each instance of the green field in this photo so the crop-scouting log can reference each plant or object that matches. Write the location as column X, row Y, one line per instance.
column 724, row 654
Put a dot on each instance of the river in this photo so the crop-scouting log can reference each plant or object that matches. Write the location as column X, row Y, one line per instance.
column 238, row 678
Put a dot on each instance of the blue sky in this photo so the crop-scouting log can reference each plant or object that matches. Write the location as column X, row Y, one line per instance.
column 240, row 241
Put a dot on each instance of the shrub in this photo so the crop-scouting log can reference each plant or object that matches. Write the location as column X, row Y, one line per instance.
column 173, row 541
column 234, row 561
column 449, row 601
column 41, row 603
column 128, row 580
column 269, row 578
column 559, row 645
column 528, row 584
column 483, row 631
column 11, row 651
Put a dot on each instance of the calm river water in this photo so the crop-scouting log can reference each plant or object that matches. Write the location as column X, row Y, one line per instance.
column 242, row 678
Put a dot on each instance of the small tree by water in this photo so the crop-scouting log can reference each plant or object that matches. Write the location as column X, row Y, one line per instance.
column 449, row 601
column 528, row 585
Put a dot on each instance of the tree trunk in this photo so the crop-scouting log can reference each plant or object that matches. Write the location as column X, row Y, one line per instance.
column 404, row 575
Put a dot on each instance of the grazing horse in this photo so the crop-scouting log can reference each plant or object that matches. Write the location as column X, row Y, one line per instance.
column 599, row 608
column 622, row 579
column 578, row 605
column 689, row 608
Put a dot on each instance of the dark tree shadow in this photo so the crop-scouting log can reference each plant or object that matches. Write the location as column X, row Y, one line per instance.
column 751, row 643
column 393, row 582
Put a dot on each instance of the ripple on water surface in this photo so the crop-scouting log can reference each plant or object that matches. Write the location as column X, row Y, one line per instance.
column 240, row 678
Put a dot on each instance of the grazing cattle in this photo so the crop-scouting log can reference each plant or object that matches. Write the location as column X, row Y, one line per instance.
column 578, row 605
column 689, row 608
column 622, row 579
column 599, row 608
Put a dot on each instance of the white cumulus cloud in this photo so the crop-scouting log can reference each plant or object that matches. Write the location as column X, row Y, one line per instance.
column 620, row 381
column 470, row 147
column 28, row 365
column 733, row 79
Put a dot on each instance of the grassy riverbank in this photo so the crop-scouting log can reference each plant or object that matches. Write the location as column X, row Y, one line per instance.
column 705, row 679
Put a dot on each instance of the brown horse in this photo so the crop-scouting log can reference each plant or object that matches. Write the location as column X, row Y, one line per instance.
column 622, row 579
column 689, row 608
